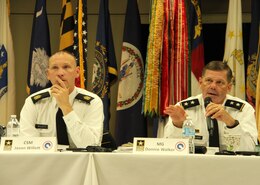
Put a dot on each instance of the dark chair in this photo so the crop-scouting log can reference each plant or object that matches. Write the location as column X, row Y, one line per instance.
column 2, row 131
column 108, row 141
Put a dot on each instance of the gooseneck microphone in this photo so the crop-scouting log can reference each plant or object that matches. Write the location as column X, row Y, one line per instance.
column 207, row 100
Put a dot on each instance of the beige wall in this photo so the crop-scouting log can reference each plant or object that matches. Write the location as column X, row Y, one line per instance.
column 21, row 26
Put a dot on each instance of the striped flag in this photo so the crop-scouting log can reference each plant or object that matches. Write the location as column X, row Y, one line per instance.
column 81, row 42
column 179, row 53
column 253, row 64
column 40, row 50
column 130, row 121
column 234, row 55
column 104, row 67
column 197, row 47
column 7, row 76
column 66, row 27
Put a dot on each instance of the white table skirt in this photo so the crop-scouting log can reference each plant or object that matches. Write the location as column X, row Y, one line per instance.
column 139, row 169
column 43, row 168
column 126, row 169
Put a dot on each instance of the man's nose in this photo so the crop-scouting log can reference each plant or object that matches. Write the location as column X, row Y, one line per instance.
column 213, row 85
column 60, row 71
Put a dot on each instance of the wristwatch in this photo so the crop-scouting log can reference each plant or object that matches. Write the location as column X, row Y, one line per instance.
column 235, row 124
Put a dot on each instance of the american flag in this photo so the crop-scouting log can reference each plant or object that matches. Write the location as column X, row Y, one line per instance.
column 81, row 42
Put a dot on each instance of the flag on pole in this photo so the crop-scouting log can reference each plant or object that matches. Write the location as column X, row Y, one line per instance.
column 166, row 72
column 173, row 60
column 130, row 121
column 164, row 89
column 104, row 67
column 153, row 58
column 234, row 55
column 81, row 42
column 179, row 63
column 40, row 50
column 258, row 88
column 166, row 55
column 197, row 46
column 253, row 65
column 67, row 27
column 7, row 74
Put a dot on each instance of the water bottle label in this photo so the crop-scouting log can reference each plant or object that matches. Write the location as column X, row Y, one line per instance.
column 188, row 132
column 16, row 132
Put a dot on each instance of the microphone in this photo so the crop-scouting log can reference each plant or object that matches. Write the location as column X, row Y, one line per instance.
column 207, row 100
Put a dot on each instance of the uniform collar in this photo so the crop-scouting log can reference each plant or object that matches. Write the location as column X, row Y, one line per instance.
column 73, row 95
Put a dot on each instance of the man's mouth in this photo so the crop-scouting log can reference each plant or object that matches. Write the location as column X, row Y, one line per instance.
column 212, row 94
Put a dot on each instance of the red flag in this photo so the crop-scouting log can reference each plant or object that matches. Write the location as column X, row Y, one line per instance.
column 164, row 93
column 179, row 53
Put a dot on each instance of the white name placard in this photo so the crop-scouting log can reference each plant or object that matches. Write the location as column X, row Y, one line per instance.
column 161, row 145
column 28, row 144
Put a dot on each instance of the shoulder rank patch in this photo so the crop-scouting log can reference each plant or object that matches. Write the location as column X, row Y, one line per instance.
column 235, row 104
column 40, row 96
column 190, row 103
column 85, row 98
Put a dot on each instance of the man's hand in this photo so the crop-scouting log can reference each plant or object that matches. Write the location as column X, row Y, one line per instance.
column 217, row 111
column 177, row 114
column 61, row 93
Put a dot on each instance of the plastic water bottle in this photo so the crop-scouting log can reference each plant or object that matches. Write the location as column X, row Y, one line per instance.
column 188, row 132
column 13, row 127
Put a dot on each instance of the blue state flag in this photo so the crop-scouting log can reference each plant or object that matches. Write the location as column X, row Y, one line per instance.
column 197, row 46
column 130, row 122
column 3, row 71
column 104, row 67
column 7, row 65
column 253, row 65
column 40, row 50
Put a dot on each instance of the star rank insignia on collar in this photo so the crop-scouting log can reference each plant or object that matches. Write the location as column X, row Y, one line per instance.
column 85, row 98
column 190, row 103
column 40, row 96
column 235, row 104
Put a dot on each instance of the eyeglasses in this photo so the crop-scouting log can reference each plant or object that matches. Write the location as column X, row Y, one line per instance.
column 219, row 83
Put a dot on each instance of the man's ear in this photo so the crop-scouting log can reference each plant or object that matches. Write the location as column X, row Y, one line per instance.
column 229, row 87
column 200, row 80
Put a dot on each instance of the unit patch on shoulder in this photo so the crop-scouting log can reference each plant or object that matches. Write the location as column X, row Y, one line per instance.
column 190, row 103
column 40, row 96
column 235, row 104
column 85, row 98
